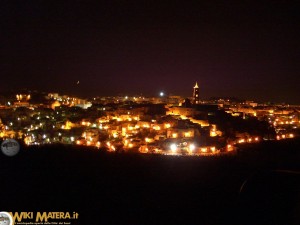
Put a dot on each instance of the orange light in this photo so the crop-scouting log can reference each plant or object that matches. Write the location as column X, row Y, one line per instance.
column 187, row 134
column 241, row 140
column 278, row 137
column 98, row 144
column 203, row 149
column 213, row 133
column 156, row 128
column 229, row 148
column 167, row 125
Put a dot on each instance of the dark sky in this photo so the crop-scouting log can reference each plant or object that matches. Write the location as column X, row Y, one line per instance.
column 247, row 49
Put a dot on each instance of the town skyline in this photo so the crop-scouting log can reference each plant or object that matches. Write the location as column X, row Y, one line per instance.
column 162, row 124
column 162, row 93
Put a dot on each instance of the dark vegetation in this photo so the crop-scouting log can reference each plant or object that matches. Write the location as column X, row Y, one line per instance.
column 109, row 188
column 229, row 125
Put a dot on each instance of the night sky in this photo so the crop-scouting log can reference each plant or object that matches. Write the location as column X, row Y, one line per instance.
column 248, row 49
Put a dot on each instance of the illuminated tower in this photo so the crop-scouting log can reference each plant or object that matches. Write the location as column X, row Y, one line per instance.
column 196, row 94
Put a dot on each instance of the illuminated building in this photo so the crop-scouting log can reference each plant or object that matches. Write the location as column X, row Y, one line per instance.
column 196, row 94
column 176, row 132
column 214, row 132
column 22, row 100
column 182, row 111
column 55, row 104
column 23, row 97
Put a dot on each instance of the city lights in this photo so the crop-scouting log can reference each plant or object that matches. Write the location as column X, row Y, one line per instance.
column 173, row 148
column 150, row 112
column 157, row 121
column 204, row 150
column 98, row 144
column 192, row 147
column 167, row 125
column 229, row 147
column 241, row 140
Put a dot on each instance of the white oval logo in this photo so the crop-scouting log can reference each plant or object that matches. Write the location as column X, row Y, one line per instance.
column 5, row 218
column 10, row 147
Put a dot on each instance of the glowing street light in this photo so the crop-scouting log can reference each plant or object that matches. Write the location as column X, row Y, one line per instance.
column 161, row 94
column 173, row 148
column 98, row 144
column 192, row 147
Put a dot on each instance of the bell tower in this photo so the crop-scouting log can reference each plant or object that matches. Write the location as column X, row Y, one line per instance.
column 196, row 94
